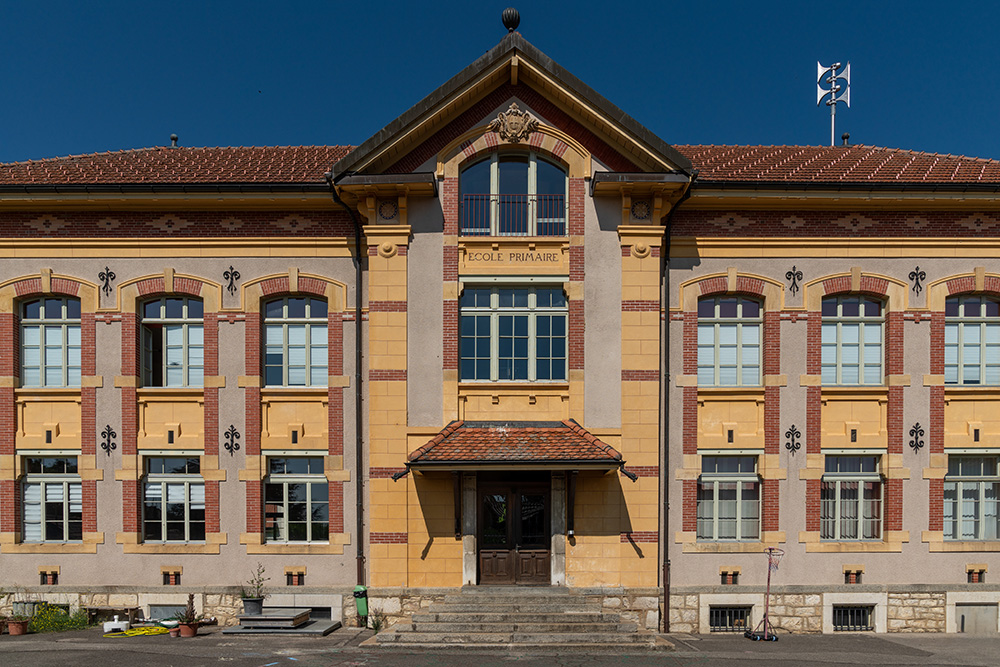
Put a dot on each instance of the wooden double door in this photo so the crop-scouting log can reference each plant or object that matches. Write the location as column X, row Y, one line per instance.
column 514, row 538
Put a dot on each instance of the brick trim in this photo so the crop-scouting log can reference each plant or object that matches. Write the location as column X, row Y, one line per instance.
column 640, row 376
column 384, row 473
column 388, row 538
column 386, row 375
column 643, row 536
column 641, row 306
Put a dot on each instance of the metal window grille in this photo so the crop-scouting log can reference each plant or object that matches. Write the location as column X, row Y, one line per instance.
column 513, row 195
column 729, row 619
column 854, row 618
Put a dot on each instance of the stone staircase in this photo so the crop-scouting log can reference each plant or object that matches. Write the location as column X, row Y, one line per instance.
column 519, row 618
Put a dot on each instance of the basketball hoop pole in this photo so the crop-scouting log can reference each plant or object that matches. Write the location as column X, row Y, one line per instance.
column 773, row 558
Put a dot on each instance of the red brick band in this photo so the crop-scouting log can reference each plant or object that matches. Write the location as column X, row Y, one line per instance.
column 388, row 538
column 387, row 306
column 646, row 536
column 644, row 471
column 387, row 375
column 640, row 305
column 384, row 473
column 640, row 376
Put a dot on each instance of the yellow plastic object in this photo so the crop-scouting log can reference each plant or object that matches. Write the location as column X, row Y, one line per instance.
column 139, row 632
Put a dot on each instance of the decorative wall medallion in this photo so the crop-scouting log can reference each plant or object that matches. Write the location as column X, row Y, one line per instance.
column 641, row 250
column 108, row 436
column 232, row 275
column 916, row 437
column 514, row 125
column 387, row 249
column 107, row 276
column 640, row 209
column 793, row 434
column 917, row 276
column 231, row 436
column 388, row 209
column 794, row 276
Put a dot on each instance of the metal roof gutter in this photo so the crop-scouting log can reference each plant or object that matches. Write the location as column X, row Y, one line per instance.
column 838, row 186
column 637, row 177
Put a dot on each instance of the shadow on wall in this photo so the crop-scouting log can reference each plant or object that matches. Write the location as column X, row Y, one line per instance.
column 601, row 509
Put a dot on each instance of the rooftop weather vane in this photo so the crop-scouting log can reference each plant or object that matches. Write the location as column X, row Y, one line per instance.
column 834, row 80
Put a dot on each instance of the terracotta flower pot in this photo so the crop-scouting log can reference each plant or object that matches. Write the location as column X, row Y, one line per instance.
column 175, row 632
column 188, row 629
column 17, row 627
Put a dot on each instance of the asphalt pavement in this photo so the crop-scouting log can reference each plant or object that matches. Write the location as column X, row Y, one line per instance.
column 341, row 648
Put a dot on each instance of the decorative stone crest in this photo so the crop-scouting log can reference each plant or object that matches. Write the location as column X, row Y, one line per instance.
column 514, row 125
column 641, row 250
column 387, row 249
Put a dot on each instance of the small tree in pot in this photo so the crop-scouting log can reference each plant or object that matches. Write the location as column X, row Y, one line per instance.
column 188, row 620
column 253, row 592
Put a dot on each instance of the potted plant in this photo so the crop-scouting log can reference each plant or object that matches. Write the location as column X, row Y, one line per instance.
column 188, row 620
column 18, row 624
column 253, row 592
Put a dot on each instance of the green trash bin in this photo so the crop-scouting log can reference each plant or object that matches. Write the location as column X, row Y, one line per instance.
column 361, row 600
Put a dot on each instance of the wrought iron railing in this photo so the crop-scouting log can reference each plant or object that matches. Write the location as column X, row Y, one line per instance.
column 516, row 215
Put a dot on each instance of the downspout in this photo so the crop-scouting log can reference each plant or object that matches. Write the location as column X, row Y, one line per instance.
column 666, row 404
column 358, row 418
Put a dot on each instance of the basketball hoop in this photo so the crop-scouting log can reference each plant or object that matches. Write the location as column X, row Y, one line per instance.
column 773, row 558
column 765, row 631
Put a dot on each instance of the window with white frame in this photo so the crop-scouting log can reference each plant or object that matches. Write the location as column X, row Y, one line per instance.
column 513, row 194
column 513, row 333
column 173, row 500
column 972, row 341
column 852, row 340
column 51, row 500
column 851, row 499
column 296, row 500
column 729, row 336
column 295, row 342
column 972, row 498
column 50, row 343
column 173, row 349
column 729, row 499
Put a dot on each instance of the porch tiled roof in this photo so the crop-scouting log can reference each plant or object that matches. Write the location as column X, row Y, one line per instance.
column 836, row 164
column 534, row 442
column 165, row 165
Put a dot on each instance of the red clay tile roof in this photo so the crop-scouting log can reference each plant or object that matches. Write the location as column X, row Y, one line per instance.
column 252, row 164
column 837, row 164
column 306, row 164
column 517, row 442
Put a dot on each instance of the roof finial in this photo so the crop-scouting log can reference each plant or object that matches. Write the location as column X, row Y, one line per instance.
column 511, row 19
column 173, row 141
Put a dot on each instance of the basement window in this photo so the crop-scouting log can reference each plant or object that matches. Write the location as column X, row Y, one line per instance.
column 854, row 618
column 729, row 619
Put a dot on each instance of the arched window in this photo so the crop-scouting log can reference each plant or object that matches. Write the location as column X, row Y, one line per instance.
column 852, row 340
column 972, row 340
column 513, row 195
column 295, row 343
column 729, row 330
column 173, row 348
column 50, row 343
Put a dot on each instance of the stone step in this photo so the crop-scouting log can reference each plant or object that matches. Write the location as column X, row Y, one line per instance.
column 512, row 608
column 481, row 616
column 528, row 626
column 565, row 600
column 475, row 591
column 614, row 648
column 519, row 638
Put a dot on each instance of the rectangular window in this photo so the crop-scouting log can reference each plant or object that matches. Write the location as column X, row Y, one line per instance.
column 173, row 508
column 972, row 341
column 851, row 499
column 729, row 619
column 851, row 346
column 296, row 500
column 729, row 499
column 729, row 336
column 517, row 334
column 972, row 498
column 295, row 343
column 173, row 346
column 51, row 500
column 853, row 618
column 50, row 343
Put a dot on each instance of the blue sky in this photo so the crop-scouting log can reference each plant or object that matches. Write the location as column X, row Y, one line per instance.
column 85, row 77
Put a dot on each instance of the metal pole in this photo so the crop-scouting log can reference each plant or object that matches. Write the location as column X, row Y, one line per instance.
column 767, row 598
column 833, row 113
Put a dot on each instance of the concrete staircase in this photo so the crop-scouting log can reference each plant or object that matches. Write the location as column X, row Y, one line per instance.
column 519, row 618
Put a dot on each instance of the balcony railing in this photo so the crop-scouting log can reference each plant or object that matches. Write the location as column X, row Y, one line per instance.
column 516, row 215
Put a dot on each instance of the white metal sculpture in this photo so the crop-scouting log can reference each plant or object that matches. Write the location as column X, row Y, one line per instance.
column 834, row 79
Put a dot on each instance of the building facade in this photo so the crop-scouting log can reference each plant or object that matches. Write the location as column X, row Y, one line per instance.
column 513, row 339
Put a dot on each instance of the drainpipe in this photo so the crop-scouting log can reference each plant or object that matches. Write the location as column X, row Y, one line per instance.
column 666, row 412
column 358, row 420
